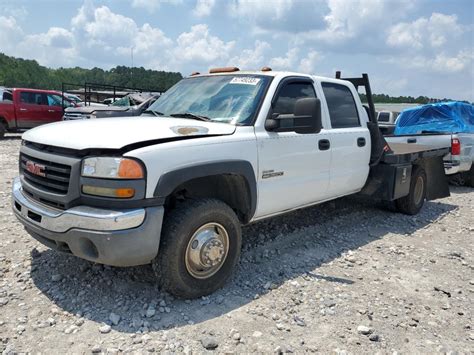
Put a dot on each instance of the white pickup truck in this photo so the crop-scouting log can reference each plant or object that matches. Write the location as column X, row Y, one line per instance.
column 459, row 161
column 216, row 151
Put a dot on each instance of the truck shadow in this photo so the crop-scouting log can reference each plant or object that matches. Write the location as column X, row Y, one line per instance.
column 275, row 251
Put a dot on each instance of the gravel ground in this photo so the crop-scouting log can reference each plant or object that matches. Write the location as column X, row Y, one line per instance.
column 342, row 277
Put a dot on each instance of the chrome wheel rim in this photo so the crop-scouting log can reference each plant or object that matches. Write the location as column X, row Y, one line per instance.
column 419, row 187
column 207, row 250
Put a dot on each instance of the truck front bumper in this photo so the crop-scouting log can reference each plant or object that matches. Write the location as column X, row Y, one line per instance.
column 113, row 237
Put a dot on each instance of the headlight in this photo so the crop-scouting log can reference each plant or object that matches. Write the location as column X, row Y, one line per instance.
column 112, row 168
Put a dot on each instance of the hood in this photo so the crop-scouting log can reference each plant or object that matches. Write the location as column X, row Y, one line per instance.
column 116, row 133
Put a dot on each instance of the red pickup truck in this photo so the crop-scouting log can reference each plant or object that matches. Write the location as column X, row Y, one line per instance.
column 21, row 109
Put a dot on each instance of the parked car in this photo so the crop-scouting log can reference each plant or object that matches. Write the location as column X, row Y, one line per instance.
column 174, row 187
column 110, row 100
column 454, row 118
column 119, row 108
column 387, row 117
column 22, row 109
column 74, row 98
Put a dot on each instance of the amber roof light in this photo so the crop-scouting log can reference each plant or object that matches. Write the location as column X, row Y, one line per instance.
column 223, row 70
column 266, row 69
column 195, row 73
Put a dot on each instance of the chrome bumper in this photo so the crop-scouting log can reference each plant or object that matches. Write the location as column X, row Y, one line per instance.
column 82, row 217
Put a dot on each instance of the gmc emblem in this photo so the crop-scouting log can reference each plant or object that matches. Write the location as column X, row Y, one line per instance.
column 36, row 169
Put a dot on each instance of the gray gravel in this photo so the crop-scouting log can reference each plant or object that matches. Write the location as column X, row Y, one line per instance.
column 342, row 277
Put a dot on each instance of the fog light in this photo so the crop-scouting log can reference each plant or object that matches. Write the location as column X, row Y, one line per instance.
column 126, row 192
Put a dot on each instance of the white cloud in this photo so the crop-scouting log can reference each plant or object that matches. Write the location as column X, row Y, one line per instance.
column 251, row 59
column 199, row 45
column 251, row 8
column 349, row 19
column 441, row 62
column 424, row 32
column 287, row 62
column 10, row 33
column 459, row 62
column 153, row 5
column 308, row 63
column 204, row 7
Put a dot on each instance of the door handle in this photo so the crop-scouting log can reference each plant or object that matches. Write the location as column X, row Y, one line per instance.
column 23, row 109
column 324, row 144
column 51, row 111
column 361, row 142
column 411, row 140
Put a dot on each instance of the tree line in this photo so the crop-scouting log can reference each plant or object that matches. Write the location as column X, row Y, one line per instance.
column 382, row 98
column 17, row 72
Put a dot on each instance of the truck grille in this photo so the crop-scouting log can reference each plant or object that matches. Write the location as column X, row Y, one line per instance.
column 73, row 116
column 45, row 175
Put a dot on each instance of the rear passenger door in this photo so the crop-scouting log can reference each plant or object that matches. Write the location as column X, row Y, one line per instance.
column 350, row 142
column 31, row 109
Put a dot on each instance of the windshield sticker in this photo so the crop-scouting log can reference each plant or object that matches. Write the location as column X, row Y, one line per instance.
column 247, row 80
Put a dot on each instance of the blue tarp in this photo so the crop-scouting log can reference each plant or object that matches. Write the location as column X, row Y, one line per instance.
column 452, row 117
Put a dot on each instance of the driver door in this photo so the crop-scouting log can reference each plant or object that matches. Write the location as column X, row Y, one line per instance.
column 293, row 167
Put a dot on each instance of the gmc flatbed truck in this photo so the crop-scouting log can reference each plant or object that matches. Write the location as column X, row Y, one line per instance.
column 216, row 151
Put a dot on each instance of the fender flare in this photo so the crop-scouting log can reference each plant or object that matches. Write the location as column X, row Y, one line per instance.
column 169, row 181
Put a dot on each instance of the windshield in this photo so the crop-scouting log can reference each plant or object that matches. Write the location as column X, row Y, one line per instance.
column 220, row 98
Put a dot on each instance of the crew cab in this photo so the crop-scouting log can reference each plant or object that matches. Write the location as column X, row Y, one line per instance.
column 216, row 151
column 22, row 109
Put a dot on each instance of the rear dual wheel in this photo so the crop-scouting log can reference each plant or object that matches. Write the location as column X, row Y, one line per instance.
column 200, row 246
column 469, row 176
column 414, row 201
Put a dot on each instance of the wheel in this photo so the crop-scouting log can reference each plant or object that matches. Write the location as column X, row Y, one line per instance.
column 3, row 129
column 469, row 177
column 413, row 202
column 200, row 246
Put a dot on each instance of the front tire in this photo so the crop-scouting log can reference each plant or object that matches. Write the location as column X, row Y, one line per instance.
column 200, row 246
column 414, row 201
column 3, row 130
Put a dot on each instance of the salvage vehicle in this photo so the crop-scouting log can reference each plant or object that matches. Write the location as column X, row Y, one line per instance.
column 455, row 121
column 215, row 152
column 130, row 105
column 22, row 109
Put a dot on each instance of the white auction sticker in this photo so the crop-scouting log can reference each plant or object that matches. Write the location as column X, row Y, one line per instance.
column 247, row 80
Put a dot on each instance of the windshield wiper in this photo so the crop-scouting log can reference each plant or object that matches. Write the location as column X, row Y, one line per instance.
column 191, row 116
column 156, row 113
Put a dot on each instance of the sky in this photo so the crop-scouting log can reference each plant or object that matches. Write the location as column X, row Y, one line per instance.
column 408, row 47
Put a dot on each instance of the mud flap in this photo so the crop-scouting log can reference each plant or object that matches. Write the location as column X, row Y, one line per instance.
column 438, row 186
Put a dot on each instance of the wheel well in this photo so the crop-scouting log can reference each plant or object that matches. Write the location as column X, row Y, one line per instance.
column 3, row 122
column 229, row 188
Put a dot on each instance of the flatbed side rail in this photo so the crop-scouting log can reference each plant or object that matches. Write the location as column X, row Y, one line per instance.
column 390, row 179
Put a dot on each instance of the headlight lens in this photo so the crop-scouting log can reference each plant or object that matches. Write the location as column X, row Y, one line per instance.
column 112, row 168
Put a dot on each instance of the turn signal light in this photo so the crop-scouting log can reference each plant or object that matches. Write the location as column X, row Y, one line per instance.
column 126, row 192
column 130, row 169
column 455, row 146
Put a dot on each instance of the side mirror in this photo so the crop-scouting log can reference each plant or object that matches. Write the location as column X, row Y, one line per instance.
column 306, row 118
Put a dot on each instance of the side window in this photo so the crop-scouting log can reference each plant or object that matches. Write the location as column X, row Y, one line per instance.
column 33, row 98
column 342, row 108
column 289, row 94
column 25, row 98
column 7, row 96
